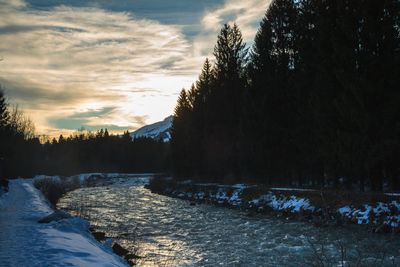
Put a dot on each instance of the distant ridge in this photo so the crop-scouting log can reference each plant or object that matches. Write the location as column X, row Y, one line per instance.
column 160, row 130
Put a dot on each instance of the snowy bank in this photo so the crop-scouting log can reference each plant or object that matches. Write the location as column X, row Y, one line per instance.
column 25, row 242
column 380, row 213
column 321, row 208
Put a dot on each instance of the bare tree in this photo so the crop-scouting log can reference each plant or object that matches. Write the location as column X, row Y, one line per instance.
column 21, row 123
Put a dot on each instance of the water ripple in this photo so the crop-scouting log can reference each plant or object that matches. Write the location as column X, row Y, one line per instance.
column 170, row 232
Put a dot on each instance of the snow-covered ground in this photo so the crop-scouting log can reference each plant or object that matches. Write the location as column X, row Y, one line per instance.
column 386, row 213
column 233, row 195
column 25, row 242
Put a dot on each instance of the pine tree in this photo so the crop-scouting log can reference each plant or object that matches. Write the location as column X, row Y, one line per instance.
column 4, row 114
column 181, row 136
column 271, row 74
column 226, row 104
column 201, row 116
column 261, row 73
column 5, row 133
column 378, row 72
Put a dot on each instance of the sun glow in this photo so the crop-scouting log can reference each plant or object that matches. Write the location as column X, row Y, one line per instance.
column 94, row 67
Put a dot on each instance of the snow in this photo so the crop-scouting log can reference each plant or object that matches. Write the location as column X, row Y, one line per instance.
column 292, row 204
column 235, row 198
column 297, row 204
column 344, row 210
column 25, row 242
column 240, row 186
column 199, row 195
column 386, row 213
column 393, row 194
column 234, row 195
column 291, row 189
column 159, row 130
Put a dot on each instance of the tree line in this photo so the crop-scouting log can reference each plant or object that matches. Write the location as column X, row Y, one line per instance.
column 314, row 102
column 22, row 153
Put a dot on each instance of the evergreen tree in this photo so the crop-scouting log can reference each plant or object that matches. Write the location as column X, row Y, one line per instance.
column 226, row 104
column 4, row 126
column 181, row 136
column 322, row 98
column 271, row 74
column 201, row 116
column 4, row 114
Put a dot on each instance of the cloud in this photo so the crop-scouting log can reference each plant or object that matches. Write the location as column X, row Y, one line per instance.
column 93, row 120
column 247, row 14
column 65, row 59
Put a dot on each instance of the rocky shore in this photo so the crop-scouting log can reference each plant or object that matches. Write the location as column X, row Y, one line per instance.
column 376, row 212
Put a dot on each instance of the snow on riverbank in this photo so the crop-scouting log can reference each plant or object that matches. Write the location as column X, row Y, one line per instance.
column 236, row 196
column 380, row 213
column 25, row 242
column 290, row 201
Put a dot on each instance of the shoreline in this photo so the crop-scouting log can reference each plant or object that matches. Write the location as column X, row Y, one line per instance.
column 379, row 213
column 54, row 187
column 60, row 241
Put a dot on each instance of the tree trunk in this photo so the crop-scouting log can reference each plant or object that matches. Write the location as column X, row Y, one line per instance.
column 395, row 182
column 362, row 184
column 376, row 178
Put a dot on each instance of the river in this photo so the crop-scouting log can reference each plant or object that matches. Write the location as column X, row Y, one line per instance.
column 166, row 231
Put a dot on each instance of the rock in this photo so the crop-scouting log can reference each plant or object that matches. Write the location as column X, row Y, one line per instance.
column 120, row 251
column 251, row 213
column 55, row 216
column 100, row 236
column 383, row 228
column 130, row 256
column 318, row 222
column 338, row 221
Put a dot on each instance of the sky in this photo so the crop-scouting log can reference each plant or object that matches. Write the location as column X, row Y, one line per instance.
column 115, row 64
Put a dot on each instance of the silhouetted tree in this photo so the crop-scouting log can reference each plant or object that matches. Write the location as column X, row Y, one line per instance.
column 226, row 104
column 319, row 100
column 181, row 136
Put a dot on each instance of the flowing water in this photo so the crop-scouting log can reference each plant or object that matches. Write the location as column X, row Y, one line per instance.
column 166, row 231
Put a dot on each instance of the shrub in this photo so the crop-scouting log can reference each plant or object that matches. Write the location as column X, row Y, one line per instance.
column 159, row 183
column 51, row 188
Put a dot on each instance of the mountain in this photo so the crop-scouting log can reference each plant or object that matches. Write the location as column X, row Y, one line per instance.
column 160, row 130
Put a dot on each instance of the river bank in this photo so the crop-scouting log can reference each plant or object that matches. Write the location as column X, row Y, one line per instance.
column 377, row 212
column 26, row 242
column 55, row 187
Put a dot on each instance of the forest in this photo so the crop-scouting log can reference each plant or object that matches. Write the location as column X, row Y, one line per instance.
column 314, row 102
column 24, row 154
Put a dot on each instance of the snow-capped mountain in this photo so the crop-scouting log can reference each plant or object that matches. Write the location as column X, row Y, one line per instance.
column 160, row 130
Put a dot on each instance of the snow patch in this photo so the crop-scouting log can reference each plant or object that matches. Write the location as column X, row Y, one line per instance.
column 291, row 189
column 380, row 213
column 64, row 243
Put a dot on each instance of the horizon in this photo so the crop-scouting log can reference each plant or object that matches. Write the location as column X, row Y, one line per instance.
column 108, row 64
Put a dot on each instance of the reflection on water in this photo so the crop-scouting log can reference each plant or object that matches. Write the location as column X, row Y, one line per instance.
column 169, row 232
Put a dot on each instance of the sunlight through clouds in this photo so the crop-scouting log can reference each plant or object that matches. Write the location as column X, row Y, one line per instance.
column 87, row 52
column 62, row 61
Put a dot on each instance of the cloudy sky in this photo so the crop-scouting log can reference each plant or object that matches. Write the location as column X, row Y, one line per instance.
column 116, row 64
